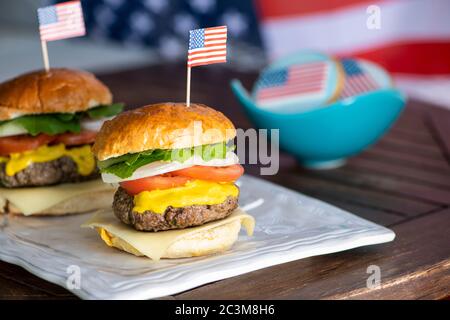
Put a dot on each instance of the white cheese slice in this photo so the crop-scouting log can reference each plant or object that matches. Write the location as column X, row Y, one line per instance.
column 155, row 244
column 34, row 200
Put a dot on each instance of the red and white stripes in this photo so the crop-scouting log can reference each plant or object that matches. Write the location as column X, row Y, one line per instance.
column 211, row 46
column 69, row 22
column 413, row 38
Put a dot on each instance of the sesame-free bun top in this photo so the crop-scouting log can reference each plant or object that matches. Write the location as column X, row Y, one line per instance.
column 55, row 91
column 162, row 126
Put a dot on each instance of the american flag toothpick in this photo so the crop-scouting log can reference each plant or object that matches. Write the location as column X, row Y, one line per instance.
column 206, row 46
column 60, row 21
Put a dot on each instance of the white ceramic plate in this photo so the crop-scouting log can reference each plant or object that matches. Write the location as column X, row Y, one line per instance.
column 289, row 226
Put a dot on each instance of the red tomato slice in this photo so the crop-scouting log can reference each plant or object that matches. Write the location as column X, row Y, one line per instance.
column 23, row 143
column 165, row 181
column 218, row 174
column 74, row 139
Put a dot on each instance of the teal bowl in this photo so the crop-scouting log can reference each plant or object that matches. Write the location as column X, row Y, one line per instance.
column 325, row 137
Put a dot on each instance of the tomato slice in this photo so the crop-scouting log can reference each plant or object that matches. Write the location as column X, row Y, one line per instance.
column 217, row 174
column 73, row 139
column 165, row 181
column 23, row 143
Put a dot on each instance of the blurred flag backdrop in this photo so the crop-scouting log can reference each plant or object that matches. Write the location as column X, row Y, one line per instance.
column 412, row 41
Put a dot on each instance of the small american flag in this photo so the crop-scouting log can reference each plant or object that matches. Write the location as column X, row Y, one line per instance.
column 207, row 46
column 302, row 80
column 61, row 21
column 356, row 79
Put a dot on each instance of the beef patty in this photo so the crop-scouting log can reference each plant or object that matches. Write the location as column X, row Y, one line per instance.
column 61, row 170
column 172, row 218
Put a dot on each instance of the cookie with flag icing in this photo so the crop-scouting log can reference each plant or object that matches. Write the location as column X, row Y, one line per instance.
column 299, row 82
column 362, row 76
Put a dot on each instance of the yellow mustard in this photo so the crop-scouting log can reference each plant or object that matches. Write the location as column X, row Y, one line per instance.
column 198, row 192
column 82, row 156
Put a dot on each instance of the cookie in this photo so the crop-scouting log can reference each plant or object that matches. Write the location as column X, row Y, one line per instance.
column 362, row 76
column 299, row 82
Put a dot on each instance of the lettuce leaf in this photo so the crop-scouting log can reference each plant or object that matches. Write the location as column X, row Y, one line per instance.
column 49, row 124
column 56, row 123
column 125, row 165
column 105, row 111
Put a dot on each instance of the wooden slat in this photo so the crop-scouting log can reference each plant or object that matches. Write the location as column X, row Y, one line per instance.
column 375, row 215
column 427, row 152
column 392, row 185
column 27, row 284
column 401, row 171
column 317, row 187
column 411, row 120
column 415, row 265
column 413, row 161
column 420, row 137
column 440, row 122
column 10, row 289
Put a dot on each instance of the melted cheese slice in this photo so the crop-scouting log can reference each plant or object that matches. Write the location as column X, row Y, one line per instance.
column 82, row 156
column 154, row 244
column 33, row 200
column 197, row 192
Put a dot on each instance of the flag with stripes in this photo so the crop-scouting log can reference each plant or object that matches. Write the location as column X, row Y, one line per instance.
column 61, row 21
column 296, row 81
column 357, row 81
column 207, row 46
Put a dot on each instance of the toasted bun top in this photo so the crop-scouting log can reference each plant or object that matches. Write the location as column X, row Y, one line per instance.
column 59, row 90
column 162, row 126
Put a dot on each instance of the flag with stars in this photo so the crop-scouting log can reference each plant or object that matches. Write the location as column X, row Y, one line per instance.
column 61, row 21
column 207, row 46
column 357, row 80
column 302, row 81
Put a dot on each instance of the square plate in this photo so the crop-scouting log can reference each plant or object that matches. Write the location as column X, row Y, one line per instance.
column 289, row 226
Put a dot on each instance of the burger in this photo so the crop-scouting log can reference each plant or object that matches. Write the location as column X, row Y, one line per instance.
column 176, row 170
column 48, row 123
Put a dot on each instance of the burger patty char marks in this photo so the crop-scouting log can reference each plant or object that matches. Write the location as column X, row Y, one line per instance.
column 172, row 218
column 61, row 170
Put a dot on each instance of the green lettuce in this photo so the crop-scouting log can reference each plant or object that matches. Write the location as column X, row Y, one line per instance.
column 49, row 124
column 56, row 123
column 105, row 111
column 125, row 165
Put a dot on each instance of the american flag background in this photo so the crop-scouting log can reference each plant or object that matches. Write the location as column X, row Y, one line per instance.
column 357, row 81
column 61, row 21
column 207, row 46
column 301, row 80
column 412, row 41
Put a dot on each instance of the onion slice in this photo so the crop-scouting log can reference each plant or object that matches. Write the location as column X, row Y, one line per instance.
column 93, row 124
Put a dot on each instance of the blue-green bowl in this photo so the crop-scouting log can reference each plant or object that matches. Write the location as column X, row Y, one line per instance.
column 325, row 137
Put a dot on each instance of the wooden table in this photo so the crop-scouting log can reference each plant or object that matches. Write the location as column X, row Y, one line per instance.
column 403, row 182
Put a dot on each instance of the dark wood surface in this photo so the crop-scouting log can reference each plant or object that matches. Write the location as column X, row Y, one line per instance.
column 402, row 182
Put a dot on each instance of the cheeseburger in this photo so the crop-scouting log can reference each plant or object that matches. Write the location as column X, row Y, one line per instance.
column 48, row 122
column 176, row 172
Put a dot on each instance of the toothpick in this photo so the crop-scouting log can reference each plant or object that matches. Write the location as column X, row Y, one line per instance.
column 45, row 55
column 188, row 87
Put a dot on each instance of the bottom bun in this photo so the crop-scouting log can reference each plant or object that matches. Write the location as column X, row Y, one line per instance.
column 81, row 203
column 206, row 242
column 202, row 243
